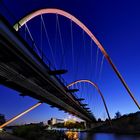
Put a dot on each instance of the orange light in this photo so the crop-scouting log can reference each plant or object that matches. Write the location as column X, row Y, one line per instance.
column 19, row 115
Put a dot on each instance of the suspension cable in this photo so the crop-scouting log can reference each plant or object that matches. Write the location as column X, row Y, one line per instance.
column 96, row 65
column 61, row 42
column 56, row 32
column 41, row 38
column 91, row 45
column 46, row 32
column 101, row 67
column 71, row 27
column 31, row 37
column 77, row 62
column 84, row 43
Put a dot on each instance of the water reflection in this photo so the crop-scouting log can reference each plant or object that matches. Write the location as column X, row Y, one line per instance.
column 106, row 136
column 72, row 135
column 99, row 136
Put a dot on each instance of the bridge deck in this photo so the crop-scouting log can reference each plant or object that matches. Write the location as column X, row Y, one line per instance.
column 22, row 70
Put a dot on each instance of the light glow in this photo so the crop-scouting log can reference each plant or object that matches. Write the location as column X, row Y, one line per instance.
column 19, row 115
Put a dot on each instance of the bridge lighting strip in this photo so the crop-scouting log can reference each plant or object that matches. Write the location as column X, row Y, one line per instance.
column 21, row 114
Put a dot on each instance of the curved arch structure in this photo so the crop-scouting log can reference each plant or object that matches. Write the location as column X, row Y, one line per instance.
column 82, row 26
column 69, row 85
column 21, row 114
column 97, row 88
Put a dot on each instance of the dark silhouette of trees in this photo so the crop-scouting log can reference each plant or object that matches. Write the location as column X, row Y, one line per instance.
column 59, row 125
column 99, row 120
column 49, row 122
column 117, row 115
column 71, row 125
column 2, row 119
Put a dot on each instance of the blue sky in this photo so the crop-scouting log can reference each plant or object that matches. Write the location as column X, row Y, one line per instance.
column 117, row 26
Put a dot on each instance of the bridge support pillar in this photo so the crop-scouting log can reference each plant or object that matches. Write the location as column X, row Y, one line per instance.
column 89, row 125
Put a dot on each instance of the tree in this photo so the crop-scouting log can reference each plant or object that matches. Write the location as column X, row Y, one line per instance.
column 49, row 122
column 2, row 119
column 99, row 120
column 117, row 115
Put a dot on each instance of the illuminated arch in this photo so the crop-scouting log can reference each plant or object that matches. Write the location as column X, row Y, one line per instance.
column 39, row 103
column 97, row 88
column 82, row 26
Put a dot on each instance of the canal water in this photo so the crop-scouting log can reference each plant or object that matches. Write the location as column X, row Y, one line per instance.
column 100, row 136
column 106, row 136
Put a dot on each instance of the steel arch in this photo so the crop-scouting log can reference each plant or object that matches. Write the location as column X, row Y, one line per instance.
column 82, row 26
column 97, row 88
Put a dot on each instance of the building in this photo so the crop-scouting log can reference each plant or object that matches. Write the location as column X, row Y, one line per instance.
column 53, row 121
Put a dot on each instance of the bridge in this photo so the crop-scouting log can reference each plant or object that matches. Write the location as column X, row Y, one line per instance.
column 25, row 68
column 24, row 71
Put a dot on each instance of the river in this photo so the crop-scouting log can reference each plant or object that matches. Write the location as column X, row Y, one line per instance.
column 100, row 136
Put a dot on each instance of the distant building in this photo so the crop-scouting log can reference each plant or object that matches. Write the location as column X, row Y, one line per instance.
column 53, row 121
column 59, row 120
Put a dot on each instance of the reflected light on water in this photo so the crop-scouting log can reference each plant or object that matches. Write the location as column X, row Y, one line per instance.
column 72, row 135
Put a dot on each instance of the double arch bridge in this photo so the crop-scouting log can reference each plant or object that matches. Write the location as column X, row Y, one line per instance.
column 22, row 69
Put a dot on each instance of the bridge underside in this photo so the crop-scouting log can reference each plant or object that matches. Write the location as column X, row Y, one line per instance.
column 21, row 69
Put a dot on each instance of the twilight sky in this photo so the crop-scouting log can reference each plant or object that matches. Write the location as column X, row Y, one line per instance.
column 117, row 26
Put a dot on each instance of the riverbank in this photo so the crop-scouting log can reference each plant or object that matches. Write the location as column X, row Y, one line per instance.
column 6, row 136
column 126, row 124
